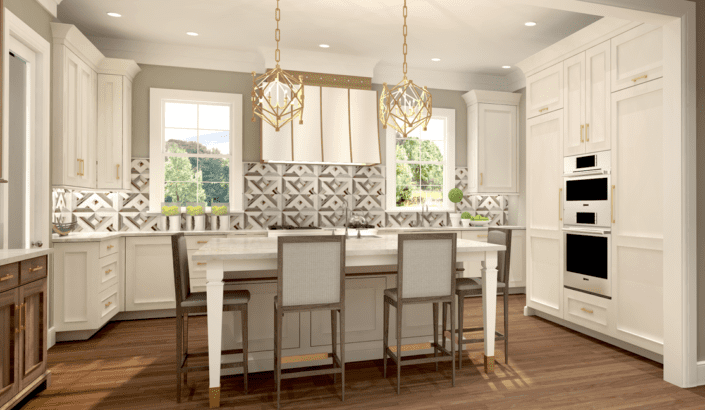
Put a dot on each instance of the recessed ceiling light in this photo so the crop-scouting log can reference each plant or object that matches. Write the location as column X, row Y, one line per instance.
column 506, row 66
column 435, row 59
column 114, row 14
column 323, row 46
column 529, row 24
column 191, row 33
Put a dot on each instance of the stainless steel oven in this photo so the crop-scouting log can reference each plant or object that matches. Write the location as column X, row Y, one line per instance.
column 587, row 261
column 587, row 201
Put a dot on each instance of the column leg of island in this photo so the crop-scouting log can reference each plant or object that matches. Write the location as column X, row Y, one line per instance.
column 214, row 294
column 489, row 306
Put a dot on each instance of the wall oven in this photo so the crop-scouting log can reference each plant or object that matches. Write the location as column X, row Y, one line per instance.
column 587, row 201
column 587, row 261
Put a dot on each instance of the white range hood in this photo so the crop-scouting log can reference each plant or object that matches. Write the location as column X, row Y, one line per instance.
column 339, row 127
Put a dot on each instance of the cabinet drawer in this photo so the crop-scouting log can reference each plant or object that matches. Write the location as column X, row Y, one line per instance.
column 480, row 236
column 587, row 310
column 108, row 272
column 109, row 247
column 9, row 276
column 33, row 269
column 195, row 266
column 109, row 304
column 196, row 242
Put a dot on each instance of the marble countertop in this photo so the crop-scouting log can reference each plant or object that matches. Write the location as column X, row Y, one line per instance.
column 446, row 228
column 266, row 248
column 16, row 255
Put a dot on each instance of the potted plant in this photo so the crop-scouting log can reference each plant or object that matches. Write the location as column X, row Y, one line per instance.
column 196, row 213
column 465, row 219
column 220, row 216
column 455, row 195
column 172, row 216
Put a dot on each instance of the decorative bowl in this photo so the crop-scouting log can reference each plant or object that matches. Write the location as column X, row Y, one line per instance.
column 480, row 223
column 64, row 229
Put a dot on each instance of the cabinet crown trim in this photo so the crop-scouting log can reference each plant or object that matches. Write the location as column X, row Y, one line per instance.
column 491, row 97
column 71, row 37
column 117, row 66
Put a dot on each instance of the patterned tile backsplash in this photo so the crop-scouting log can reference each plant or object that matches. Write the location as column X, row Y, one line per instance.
column 291, row 194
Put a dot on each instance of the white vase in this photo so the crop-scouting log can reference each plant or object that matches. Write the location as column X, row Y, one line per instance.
column 455, row 219
column 174, row 223
column 162, row 224
column 224, row 222
column 214, row 222
column 466, row 223
column 199, row 223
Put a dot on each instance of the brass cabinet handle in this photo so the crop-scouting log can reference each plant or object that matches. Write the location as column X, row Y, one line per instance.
column 612, row 205
column 118, row 171
column 111, row 246
column 19, row 322
column 481, row 178
column 7, row 277
column 560, row 211
column 108, row 271
column 587, row 132
column 586, row 310
column 201, row 263
column 23, row 324
column 543, row 109
column 108, row 304
column 639, row 78
column 202, row 242
column 582, row 128
column 36, row 269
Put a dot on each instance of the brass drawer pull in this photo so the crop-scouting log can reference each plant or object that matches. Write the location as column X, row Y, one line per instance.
column 586, row 310
column 108, row 304
column 111, row 246
column 108, row 271
column 202, row 242
column 582, row 128
column 36, row 269
column 612, row 205
column 640, row 78
column 201, row 263
column 481, row 178
column 587, row 132
column 543, row 109
column 7, row 277
column 560, row 210
column 23, row 324
column 19, row 323
column 482, row 236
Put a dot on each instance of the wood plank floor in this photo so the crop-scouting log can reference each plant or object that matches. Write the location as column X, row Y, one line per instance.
column 130, row 365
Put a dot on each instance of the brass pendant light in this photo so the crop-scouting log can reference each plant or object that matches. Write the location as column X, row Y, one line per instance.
column 277, row 96
column 406, row 106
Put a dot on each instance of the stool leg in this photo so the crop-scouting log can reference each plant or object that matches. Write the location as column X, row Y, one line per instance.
column 279, row 359
column 446, row 306
column 274, row 367
column 342, row 348
column 452, row 343
column 245, row 346
column 385, row 337
column 186, row 343
column 506, row 323
column 461, row 316
column 179, row 354
column 333, row 334
column 435, row 332
column 399, row 309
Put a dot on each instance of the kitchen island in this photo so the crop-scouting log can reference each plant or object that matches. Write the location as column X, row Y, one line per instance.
column 251, row 263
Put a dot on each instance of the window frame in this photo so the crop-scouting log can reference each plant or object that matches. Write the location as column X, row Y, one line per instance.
column 158, row 97
column 448, row 115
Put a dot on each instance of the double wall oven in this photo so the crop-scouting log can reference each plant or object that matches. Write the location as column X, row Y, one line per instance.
column 587, row 222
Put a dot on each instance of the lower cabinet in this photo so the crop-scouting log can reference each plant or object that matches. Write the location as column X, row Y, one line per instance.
column 149, row 274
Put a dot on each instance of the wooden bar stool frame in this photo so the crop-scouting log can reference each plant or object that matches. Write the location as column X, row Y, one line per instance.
column 435, row 300
column 336, row 309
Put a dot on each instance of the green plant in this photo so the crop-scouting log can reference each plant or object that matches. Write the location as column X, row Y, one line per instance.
column 194, row 210
column 455, row 195
column 219, row 210
column 466, row 215
column 170, row 210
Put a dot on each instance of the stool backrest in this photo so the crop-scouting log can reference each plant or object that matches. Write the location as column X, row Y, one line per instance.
column 501, row 236
column 426, row 265
column 182, row 280
column 311, row 270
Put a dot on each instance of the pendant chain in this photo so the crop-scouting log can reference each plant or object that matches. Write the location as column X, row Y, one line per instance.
column 277, row 35
column 405, row 31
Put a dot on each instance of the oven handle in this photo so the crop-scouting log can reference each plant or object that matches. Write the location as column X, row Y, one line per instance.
column 587, row 230
column 612, row 205
column 560, row 204
column 586, row 173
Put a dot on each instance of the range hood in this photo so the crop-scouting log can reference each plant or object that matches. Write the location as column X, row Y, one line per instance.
column 339, row 127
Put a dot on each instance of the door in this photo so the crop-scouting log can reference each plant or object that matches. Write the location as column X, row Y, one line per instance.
column 110, row 132
column 597, row 98
column 544, row 91
column 637, row 56
column 149, row 274
column 638, row 214
column 33, row 331
column 574, row 112
column 80, row 122
column 498, row 148
column 9, row 348
column 544, row 167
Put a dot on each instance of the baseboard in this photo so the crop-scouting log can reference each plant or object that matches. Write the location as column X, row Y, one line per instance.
column 701, row 373
column 46, row 377
column 75, row 335
column 51, row 337
column 148, row 314
column 599, row 336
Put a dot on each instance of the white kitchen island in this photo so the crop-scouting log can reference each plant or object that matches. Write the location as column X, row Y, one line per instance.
column 251, row 263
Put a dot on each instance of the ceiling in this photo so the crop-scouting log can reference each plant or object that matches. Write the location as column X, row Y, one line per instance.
column 472, row 36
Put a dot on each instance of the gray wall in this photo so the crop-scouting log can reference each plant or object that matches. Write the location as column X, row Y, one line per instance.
column 32, row 13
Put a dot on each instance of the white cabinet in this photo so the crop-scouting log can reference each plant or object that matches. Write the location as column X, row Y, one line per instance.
column 364, row 129
column 492, row 141
column 544, row 239
column 637, row 224
column 637, row 56
column 544, row 91
column 149, row 274
column 586, row 92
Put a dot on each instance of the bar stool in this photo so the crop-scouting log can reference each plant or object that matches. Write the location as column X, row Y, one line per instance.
column 311, row 276
column 465, row 287
column 425, row 274
column 190, row 303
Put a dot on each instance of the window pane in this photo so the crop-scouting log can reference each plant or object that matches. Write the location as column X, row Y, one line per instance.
column 407, row 149
column 431, row 175
column 433, row 196
column 215, row 192
column 214, row 142
column 180, row 169
column 435, row 131
column 182, row 192
column 180, row 115
column 180, row 140
column 214, row 117
column 431, row 151
column 214, row 169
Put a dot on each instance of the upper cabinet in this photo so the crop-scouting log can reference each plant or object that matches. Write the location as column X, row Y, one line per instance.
column 339, row 126
column 637, row 56
column 544, row 91
column 586, row 91
column 92, row 116
column 492, row 141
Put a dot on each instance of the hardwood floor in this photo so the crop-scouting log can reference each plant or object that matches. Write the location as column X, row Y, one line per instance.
column 130, row 365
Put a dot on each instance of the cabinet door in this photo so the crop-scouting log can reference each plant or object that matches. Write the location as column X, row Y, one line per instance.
column 637, row 219
column 75, row 267
column 110, row 132
column 544, row 91
column 149, row 274
column 544, row 240
column 9, row 348
column 498, row 148
column 637, row 56
column 33, row 331
column 597, row 98
column 78, row 122
column 574, row 111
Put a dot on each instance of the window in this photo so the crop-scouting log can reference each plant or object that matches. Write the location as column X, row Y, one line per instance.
column 421, row 167
column 195, row 147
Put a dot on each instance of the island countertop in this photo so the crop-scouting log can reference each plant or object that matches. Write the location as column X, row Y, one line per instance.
column 8, row 256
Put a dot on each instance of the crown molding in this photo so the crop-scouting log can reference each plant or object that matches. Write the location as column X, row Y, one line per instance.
column 443, row 80
column 516, row 80
column 50, row 5
column 116, row 66
column 491, row 97
column 321, row 62
column 71, row 37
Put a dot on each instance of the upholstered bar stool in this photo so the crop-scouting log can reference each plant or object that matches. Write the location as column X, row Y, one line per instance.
column 425, row 274
column 191, row 303
column 311, row 276
column 465, row 287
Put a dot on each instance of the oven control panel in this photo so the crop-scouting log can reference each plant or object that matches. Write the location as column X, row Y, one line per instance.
column 596, row 162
